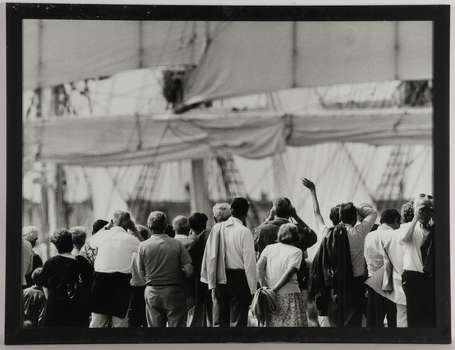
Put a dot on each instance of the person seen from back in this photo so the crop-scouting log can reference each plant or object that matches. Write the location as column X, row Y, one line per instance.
column 356, row 235
column 277, row 269
column 61, row 277
column 164, row 263
column 34, row 300
column 379, row 306
column 30, row 234
column 181, row 227
column 233, row 297
column 116, row 249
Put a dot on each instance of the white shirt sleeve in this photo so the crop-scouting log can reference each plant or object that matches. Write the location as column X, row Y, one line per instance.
column 295, row 260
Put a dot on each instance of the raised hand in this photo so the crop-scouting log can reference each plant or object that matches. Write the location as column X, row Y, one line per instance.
column 308, row 184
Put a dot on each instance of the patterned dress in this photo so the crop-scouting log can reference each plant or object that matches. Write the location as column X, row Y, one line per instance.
column 290, row 312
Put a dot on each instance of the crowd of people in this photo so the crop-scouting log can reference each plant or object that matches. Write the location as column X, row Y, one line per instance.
column 184, row 274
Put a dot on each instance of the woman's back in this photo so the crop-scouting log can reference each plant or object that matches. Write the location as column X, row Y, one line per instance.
column 280, row 257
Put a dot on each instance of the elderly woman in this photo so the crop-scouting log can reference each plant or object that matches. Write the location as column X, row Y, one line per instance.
column 62, row 278
column 277, row 269
column 30, row 234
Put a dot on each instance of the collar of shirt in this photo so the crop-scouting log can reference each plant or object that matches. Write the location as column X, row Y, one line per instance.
column 233, row 221
column 384, row 227
column 117, row 229
column 160, row 235
column 67, row 255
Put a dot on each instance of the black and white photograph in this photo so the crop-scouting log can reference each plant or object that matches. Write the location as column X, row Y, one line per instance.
column 217, row 172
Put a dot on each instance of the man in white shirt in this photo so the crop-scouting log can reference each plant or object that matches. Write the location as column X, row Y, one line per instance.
column 418, row 285
column 181, row 228
column 379, row 306
column 356, row 236
column 233, row 299
column 113, row 266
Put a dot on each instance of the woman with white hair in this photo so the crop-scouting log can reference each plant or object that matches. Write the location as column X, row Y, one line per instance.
column 277, row 269
column 30, row 234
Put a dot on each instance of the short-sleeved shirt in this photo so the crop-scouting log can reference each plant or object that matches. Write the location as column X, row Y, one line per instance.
column 280, row 257
column 116, row 249
column 412, row 257
column 160, row 260
column 356, row 237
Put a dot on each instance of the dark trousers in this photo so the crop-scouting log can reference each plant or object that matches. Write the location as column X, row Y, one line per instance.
column 232, row 301
column 419, row 291
column 136, row 314
column 358, row 302
column 378, row 308
column 202, row 310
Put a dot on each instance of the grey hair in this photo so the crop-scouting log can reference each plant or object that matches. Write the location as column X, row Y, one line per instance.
column 157, row 221
column 30, row 233
column 221, row 211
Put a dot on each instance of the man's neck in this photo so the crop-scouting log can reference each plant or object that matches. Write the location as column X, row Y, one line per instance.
column 242, row 220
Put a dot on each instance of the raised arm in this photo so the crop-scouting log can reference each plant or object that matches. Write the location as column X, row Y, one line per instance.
column 407, row 237
column 370, row 214
column 317, row 212
column 307, row 236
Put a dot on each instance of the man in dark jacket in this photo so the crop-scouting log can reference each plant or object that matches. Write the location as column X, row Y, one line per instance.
column 281, row 213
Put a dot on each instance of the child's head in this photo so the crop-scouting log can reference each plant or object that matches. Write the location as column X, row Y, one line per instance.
column 36, row 276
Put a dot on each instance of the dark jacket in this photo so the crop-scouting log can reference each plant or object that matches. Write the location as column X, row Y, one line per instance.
column 331, row 277
column 427, row 250
column 267, row 234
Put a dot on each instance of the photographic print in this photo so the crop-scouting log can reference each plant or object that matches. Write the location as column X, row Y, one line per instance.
column 237, row 173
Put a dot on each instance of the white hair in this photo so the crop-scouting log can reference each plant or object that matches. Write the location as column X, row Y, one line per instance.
column 221, row 211
column 30, row 233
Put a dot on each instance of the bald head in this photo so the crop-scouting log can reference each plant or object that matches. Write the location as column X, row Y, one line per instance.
column 181, row 225
column 157, row 222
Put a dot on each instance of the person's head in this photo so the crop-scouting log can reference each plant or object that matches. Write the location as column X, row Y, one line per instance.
column 143, row 231
column 198, row 222
column 348, row 213
column 181, row 225
column 123, row 219
column 391, row 217
column 36, row 276
column 98, row 225
column 335, row 214
column 407, row 211
column 30, row 233
column 239, row 208
column 221, row 212
column 63, row 241
column 288, row 234
column 169, row 230
column 79, row 234
column 362, row 214
column 426, row 212
column 282, row 207
column 157, row 222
